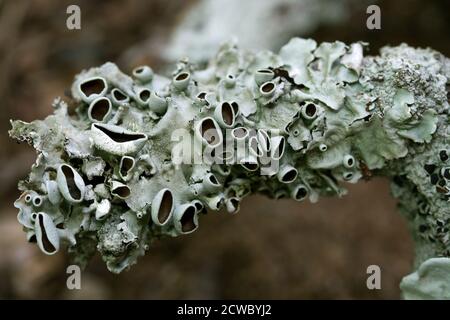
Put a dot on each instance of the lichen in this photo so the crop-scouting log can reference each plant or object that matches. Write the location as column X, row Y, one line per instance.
column 132, row 159
column 430, row 281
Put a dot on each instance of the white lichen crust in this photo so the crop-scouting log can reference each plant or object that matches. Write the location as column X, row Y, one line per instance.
column 108, row 175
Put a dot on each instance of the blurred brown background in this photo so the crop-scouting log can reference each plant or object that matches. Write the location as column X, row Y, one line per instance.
column 270, row 249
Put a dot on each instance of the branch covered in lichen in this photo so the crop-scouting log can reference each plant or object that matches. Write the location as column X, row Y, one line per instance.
column 112, row 173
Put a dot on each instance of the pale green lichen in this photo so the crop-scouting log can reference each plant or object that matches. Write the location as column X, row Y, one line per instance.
column 430, row 281
column 112, row 173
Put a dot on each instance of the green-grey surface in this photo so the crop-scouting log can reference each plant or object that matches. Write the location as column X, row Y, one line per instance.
column 108, row 169
column 430, row 281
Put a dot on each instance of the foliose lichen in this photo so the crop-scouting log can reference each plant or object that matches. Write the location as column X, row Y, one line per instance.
column 430, row 281
column 118, row 165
